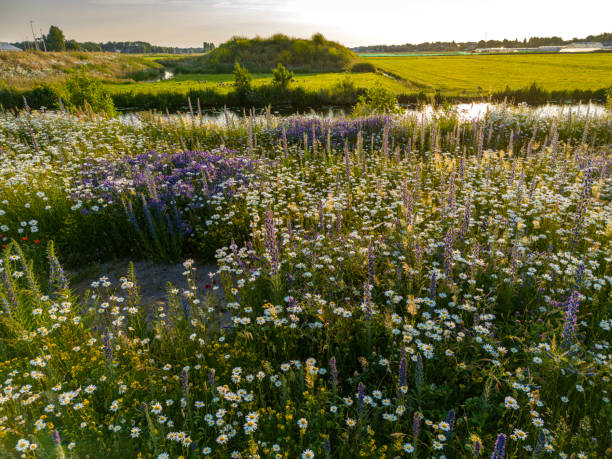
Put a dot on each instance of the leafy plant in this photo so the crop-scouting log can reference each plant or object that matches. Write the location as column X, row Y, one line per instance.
column 377, row 100
column 242, row 80
column 82, row 91
column 281, row 76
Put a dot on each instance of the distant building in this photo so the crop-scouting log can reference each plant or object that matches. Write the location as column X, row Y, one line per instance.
column 8, row 47
column 582, row 47
column 496, row 50
column 549, row 49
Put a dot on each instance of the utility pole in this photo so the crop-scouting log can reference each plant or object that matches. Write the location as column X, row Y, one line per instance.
column 42, row 38
column 34, row 36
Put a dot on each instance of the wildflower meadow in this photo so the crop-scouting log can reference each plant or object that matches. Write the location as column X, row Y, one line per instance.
column 425, row 284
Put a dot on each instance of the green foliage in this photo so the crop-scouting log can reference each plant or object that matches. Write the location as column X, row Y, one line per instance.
column 242, row 79
column 281, row 77
column 377, row 100
column 82, row 91
column 363, row 67
column 263, row 54
column 55, row 40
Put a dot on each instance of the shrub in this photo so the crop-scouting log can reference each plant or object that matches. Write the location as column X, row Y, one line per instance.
column 377, row 100
column 363, row 67
column 282, row 76
column 242, row 80
column 82, row 90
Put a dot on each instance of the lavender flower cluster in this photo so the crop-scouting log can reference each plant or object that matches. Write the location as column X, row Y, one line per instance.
column 339, row 129
column 162, row 176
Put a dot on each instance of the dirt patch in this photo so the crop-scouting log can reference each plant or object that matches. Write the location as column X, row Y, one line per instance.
column 152, row 278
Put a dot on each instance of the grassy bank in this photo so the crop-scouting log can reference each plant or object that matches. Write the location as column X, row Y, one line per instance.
column 25, row 70
column 342, row 93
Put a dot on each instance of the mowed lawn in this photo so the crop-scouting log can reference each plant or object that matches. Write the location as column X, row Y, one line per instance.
column 453, row 74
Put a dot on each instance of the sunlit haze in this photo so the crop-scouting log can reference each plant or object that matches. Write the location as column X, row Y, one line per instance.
column 356, row 22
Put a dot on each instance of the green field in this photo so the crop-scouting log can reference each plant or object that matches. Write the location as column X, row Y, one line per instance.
column 452, row 75
column 222, row 82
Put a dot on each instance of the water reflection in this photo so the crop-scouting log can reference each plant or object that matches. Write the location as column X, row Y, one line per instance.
column 471, row 111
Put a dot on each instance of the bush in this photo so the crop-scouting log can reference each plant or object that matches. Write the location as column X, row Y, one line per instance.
column 82, row 90
column 242, row 80
column 377, row 100
column 363, row 67
column 282, row 76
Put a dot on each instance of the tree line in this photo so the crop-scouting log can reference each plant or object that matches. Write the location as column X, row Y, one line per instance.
column 55, row 40
column 532, row 42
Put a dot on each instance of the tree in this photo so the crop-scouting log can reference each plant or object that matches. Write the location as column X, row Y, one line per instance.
column 55, row 40
column 242, row 79
column 282, row 76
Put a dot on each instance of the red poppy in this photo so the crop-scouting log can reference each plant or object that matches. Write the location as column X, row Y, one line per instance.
column 36, row 241
column 24, row 238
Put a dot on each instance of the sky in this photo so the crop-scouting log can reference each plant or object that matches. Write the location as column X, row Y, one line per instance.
column 186, row 23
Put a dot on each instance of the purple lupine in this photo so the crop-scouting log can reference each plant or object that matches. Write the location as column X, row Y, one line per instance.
column 579, row 216
column 418, row 372
column 499, row 451
column 448, row 254
column 539, row 447
column 385, row 140
column 450, row 420
column 185, row 381
column 367, row 300
column 250, row 135
column 57, row 278
column 347, row 163
column 211, row 379
column 10, row 289
column 432, row 286
column 451, row 193
column 56, row 437
column 360, row 395
column 370, row 264
column 271, row 243
column 314, row 140
column 402, row 376
column 108, row 349
column 333, row 371
column 418, row 256
column 416, row 424
column 571, row 318
column 467, row 215
column 284, row 138
column 7, row 307
column 476, row 447
column 129, row 211
column 320, row 209
column 148, row 217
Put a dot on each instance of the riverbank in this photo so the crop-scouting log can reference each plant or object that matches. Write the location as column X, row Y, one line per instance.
column 290, row 99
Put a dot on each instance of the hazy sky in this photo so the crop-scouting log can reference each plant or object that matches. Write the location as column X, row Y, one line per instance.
column 354, row 22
